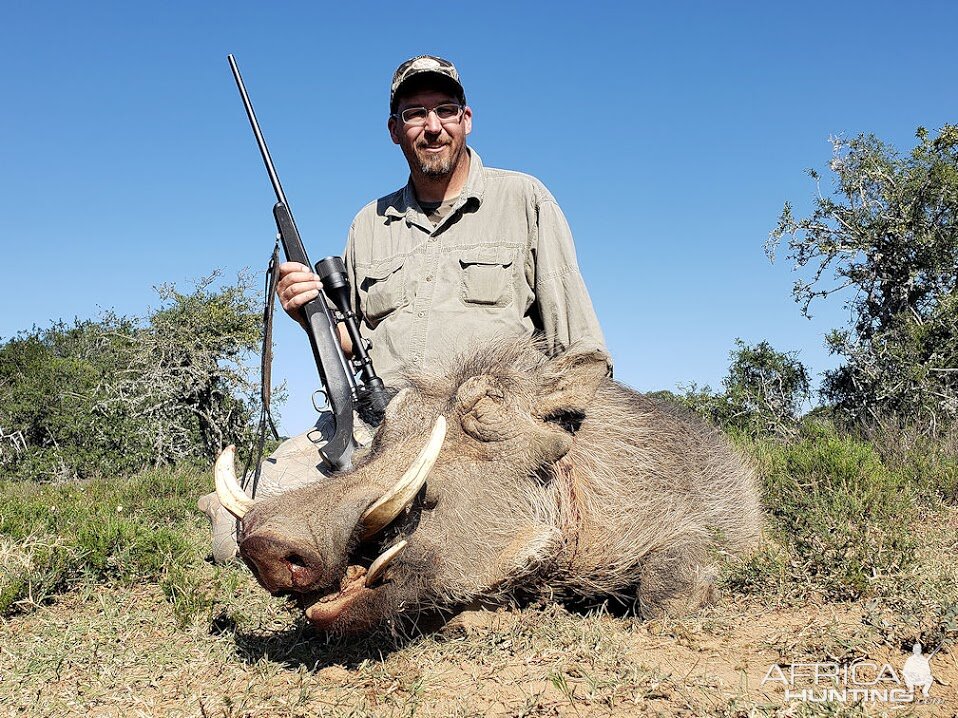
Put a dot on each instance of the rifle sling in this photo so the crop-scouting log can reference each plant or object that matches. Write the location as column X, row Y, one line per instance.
column 265, row 384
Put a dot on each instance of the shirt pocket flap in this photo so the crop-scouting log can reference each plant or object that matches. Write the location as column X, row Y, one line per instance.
column 488, row 255
column 378, row 271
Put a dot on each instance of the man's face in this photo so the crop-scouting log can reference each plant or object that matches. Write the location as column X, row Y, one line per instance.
column 434, row 148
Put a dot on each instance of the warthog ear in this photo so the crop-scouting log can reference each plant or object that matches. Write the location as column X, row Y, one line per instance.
column 485, row 414
column 568, row 385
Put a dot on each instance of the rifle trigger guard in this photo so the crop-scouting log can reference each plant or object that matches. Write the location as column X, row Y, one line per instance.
column 325, row 406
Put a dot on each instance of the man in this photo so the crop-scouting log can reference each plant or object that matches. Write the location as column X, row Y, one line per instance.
column 462, row 255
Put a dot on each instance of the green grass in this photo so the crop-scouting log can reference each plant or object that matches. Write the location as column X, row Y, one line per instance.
column 928, row 460
column 841, row 512
column 55, row 536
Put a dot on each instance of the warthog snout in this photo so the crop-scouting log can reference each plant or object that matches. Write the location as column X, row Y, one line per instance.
column 281, row 565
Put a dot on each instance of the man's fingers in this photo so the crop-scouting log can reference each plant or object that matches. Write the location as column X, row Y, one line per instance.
column 291, row 288
column 297, row 278
column 287, row 267
column 297, row 285
column 294, row 300
column 295, row 292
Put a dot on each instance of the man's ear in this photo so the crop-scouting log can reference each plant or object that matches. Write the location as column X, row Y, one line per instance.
column 467, row 119
column 393, row 126
column 569, row 383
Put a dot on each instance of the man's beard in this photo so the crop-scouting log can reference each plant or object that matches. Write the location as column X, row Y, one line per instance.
column 437, row 166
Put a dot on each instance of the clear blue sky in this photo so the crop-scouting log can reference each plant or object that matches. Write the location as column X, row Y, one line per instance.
column 671, row 134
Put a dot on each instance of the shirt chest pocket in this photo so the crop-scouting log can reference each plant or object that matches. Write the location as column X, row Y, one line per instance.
column 382, row 288
column 487, row 276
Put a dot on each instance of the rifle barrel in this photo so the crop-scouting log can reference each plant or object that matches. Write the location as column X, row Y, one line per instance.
column 263, row 149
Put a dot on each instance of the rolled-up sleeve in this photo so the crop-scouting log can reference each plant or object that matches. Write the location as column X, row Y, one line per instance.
column 565, row 310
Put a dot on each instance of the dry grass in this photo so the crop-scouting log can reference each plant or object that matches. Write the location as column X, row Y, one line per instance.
column 125, row 652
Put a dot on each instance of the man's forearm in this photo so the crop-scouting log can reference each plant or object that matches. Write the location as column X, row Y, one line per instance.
column 344, row 340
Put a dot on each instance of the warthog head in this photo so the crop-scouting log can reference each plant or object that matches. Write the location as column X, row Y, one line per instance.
column 513, row 471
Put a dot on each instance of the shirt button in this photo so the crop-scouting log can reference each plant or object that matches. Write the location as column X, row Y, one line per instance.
column 422, row 314
column 429, row 278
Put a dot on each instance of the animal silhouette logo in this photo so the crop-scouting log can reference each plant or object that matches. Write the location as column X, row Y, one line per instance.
column 917, row 671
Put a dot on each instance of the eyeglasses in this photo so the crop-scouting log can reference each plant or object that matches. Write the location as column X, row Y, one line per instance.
column 446, row 113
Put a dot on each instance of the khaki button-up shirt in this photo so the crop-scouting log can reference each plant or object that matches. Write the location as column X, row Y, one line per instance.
column 501, row 264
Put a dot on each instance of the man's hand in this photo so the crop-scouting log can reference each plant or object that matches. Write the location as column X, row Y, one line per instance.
column 297, row 285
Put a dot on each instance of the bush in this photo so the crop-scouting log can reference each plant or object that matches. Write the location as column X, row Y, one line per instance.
column 925, row 459
column 887, row 237
column 118, row 394
column 840, row 519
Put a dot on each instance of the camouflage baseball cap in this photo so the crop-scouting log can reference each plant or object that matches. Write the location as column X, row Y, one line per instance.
column 422, row 65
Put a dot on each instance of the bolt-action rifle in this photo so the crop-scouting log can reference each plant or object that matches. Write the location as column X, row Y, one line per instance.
column 348, row 383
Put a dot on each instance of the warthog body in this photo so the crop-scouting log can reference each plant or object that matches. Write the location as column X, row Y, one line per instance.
column 551, row 479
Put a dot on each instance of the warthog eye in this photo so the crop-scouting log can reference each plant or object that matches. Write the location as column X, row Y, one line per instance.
column 568, row 419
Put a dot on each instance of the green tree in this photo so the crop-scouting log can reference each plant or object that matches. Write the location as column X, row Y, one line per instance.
column 888, row 236
column 766, row 388
column 765, row 391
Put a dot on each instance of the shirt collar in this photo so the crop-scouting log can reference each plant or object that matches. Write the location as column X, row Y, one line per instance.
column 407, row 205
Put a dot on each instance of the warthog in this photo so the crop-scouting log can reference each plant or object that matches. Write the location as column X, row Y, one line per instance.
column 527, row 475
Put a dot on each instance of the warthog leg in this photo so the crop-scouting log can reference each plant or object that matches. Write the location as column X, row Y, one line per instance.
column 675, row 581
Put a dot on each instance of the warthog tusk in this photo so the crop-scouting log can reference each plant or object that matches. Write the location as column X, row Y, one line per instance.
column 385, row 558
column 392, row 503
column 228, row 490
